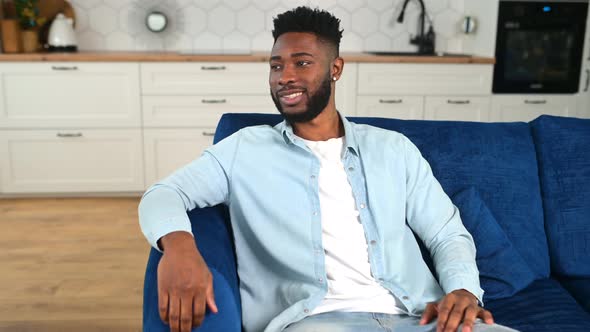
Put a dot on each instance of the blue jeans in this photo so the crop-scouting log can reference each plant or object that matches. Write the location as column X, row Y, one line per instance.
column 374, row 322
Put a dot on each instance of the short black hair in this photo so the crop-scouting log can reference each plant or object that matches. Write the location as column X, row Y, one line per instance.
column 304, row 19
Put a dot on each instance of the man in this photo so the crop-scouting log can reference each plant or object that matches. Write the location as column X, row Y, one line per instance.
column 323, row 213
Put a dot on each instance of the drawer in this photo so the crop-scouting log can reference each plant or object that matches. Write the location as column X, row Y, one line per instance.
column 398, row 107
column 48, row 161
column 424, row 79
column 457, row 108
column 69, row 95
column 166, row 150
column 528, row 107
column 199, row 111
column 204, row 78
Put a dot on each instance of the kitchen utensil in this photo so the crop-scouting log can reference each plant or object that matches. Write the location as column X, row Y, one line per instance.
column 61, row 35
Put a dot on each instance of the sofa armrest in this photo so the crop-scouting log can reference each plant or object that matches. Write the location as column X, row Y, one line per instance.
column 579, row 288
column 213, row 236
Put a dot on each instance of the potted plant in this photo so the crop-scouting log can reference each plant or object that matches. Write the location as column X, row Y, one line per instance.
column 27, row 12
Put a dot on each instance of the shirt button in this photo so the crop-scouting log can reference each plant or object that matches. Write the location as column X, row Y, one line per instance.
column 373, row 242
column 363, row 206
column 351, row 169
column 320, row 280
column 315, row 213
column 312, row 177
column 405, row 298
column 306, row 310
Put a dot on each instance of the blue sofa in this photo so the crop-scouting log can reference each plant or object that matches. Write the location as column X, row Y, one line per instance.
column 523, row 190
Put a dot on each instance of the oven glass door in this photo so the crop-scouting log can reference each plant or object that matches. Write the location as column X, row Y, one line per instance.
column 539, row 52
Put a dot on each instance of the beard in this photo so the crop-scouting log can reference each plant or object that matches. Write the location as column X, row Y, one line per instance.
column 315, row 105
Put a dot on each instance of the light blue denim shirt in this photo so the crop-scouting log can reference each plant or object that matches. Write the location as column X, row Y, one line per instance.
column 269, row 179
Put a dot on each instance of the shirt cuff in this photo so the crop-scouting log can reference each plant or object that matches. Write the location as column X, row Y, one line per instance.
column 174, row 224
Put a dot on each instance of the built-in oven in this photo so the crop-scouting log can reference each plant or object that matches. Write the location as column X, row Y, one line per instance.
column 539, row 46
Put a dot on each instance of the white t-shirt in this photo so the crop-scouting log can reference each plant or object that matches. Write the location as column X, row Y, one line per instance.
column 351, row 287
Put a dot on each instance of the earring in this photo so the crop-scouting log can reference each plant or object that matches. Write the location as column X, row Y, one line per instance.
column 333, row 78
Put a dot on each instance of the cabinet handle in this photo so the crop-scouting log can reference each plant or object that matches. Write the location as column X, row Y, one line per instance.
column 391, row 101
column 208, row 133
column 213, row 68
column 458, row 102
column 69, row 135
column 535, row 102
column 213, row 101
column 64, row 67
column 587, row 80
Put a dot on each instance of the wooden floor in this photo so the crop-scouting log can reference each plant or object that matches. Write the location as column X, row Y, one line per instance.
column 71, row 265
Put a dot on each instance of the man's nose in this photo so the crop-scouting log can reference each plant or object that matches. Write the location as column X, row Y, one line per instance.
column 287, row 76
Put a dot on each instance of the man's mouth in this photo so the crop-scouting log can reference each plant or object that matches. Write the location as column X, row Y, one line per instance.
column 292, row 98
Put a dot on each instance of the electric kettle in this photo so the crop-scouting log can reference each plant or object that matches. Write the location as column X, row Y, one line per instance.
column 61, row 35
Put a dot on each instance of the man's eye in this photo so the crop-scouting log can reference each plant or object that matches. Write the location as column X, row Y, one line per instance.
column 275, row 67
column 303, row 63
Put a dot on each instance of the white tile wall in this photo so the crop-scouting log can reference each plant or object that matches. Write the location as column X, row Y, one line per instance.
column 206, row 25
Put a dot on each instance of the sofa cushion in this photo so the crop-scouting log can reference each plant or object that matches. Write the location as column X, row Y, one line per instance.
column 498, row 159
column 502, row 270
column 579, row 288
column 563, row 151
column 544, row 306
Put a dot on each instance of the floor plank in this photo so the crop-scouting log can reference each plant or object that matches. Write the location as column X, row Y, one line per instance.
column 71, row 264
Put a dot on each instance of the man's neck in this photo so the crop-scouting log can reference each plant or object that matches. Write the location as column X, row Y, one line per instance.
column 325, row 126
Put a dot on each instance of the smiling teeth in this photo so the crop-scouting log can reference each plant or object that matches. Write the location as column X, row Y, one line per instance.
column 293, row 95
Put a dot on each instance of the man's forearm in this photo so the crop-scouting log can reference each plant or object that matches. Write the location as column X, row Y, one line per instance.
column 177, row 241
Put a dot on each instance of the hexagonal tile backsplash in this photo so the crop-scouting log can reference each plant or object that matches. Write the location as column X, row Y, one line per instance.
column 246, row 25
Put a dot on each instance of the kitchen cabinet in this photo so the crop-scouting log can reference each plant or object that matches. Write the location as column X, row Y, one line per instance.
column 346, row 88
column 166, row 150
column 457, row 108
column 71, row 160
column 528, row 107
column 424, row 79
column 70, row 127
column 425, row 91
column 69, row 95
column 391, row 106
column 183, row 102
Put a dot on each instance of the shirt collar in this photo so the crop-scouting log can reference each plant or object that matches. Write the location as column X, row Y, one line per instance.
column 351, row 144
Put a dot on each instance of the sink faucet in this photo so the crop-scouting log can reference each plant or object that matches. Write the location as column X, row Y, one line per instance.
column 425, row 41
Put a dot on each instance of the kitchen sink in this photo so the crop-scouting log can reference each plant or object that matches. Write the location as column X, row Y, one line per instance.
column 444, row 54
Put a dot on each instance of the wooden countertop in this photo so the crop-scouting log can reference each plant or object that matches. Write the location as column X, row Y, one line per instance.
column 253, row 57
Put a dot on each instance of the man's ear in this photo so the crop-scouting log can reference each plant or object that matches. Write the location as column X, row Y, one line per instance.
column 337, row 67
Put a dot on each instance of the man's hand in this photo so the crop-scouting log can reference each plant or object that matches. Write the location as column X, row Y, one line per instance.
column 459, row 306
column 185, row 284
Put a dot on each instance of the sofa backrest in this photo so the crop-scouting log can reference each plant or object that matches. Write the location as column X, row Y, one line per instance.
column 497, row 159
column 563, row 152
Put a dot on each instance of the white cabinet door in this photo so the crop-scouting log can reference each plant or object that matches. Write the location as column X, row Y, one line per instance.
column 66, row 161
column 166, row 150
column 204, row 78
column 346, row 90
column 199, row 111
column 457, row 108
column 69, row 95
column 425, row 79
column 397, row 107
column 528, row 107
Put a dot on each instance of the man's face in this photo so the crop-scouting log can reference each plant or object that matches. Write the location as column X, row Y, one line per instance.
column 300, row 76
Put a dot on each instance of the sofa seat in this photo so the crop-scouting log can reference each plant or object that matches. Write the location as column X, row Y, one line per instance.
column 543, row 306
column 513, row 192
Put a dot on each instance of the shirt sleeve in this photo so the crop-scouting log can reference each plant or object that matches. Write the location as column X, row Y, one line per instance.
column 202, row 183
column 436, row 221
